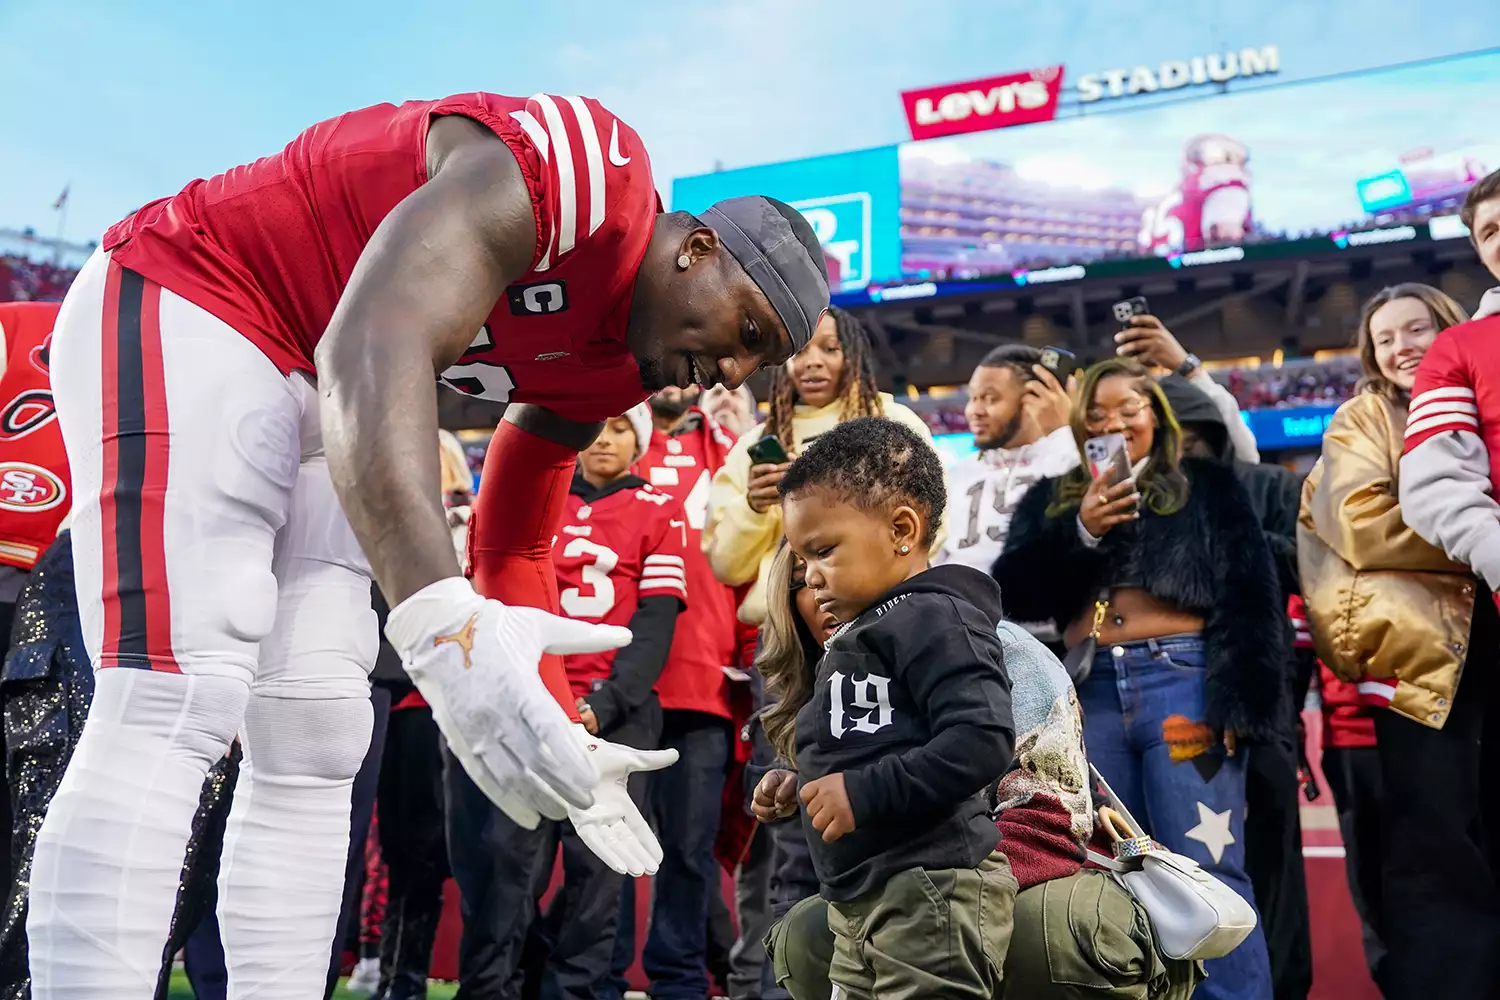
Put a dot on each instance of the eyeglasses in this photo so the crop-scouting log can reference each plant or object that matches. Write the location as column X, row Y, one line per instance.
column 1128, row 413
column 796, row 584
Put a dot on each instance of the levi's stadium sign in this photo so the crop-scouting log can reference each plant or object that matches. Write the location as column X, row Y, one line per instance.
column 994, row 102
column 1032, row 96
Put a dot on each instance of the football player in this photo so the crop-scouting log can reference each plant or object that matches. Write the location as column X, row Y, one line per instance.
column 213, row 346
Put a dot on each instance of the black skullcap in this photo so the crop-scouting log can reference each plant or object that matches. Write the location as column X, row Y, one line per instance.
column 779, row 250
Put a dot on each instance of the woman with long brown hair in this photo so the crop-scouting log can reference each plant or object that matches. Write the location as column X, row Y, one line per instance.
column 1392, row 615
column 1165, row 580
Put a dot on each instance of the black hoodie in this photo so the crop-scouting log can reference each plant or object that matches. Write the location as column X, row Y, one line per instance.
column 912, row 705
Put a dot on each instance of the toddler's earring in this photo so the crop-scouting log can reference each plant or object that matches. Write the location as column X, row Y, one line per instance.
column 905, row 549
column 683, row 261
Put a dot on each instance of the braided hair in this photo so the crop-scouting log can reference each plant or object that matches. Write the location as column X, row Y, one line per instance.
column 857, row 389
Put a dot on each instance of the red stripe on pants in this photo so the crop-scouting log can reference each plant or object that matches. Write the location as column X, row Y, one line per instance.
column 109, row 359
column 154, row 488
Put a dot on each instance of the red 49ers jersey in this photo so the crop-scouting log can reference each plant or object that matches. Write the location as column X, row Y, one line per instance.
column 609, row 554
column 34, row 477
column 705, row 640
column 269, row 247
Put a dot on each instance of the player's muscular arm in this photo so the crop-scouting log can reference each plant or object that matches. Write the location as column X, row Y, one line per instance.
column 424, row 285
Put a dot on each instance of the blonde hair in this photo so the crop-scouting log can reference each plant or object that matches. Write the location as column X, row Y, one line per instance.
column 788, row 657
column 454, row 464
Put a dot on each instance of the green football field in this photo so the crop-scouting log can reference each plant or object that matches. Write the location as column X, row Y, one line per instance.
column 182, row 991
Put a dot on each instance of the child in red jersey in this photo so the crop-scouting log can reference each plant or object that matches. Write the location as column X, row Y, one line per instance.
column 618, row 554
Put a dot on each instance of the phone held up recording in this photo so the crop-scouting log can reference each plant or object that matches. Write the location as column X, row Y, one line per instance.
column 1129, row 309
column 1058, row 361
column 1107, row 453
column 767, row 451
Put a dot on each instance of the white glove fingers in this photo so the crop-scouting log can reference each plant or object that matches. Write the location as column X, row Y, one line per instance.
column 640, row 832
column 565, row 636
column 651, row 760
column 634, row 851
column 486, row 774
column 596, row 838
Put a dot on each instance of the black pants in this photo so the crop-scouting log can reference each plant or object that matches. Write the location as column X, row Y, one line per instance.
column 410, row 803
column 686, row 800
column 1353, row 775
column 1439, row 836
column 1273, row 860
column 502, row 870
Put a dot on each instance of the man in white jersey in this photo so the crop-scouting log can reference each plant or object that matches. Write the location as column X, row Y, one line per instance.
column 1018, row 413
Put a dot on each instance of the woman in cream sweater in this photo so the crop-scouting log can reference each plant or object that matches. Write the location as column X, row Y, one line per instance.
column 830, row 381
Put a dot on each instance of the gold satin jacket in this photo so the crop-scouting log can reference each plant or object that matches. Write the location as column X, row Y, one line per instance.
column 1382, row 602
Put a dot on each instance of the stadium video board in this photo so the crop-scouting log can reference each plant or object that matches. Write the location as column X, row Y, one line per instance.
column 1324, row 166
column 852, row 200
column 1204, row 181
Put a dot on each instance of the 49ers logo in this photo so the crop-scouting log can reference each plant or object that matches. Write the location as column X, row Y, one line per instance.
column 31, row 410
column 29, row 488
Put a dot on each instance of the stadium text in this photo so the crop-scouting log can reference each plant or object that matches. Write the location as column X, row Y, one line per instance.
column 1176, row 73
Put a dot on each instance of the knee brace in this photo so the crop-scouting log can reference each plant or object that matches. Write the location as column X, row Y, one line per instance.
column 282, row 876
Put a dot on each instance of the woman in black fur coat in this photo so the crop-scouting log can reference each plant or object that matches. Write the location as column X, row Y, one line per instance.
column 1170, row 572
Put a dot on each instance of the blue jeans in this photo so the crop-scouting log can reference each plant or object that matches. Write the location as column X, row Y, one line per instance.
column 686, row 799
column 1143, row 710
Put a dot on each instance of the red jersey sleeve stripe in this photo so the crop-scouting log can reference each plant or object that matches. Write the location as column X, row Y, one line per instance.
column 1443, row 394
column 534, row 132
column 1439, row 422
column 566, row 192
column 593, row 158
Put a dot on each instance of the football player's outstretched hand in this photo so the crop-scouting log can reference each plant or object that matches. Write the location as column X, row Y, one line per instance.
column 475, row 661
column 613, row 828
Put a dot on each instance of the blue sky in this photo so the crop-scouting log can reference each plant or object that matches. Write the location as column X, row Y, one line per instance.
column 128, row 101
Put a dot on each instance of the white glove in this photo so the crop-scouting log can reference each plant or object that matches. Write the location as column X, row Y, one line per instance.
column 613, row 827
column 475, row 661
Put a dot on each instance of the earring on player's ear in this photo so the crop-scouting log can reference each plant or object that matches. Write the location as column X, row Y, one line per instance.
column 683, row 261
column 905, row 549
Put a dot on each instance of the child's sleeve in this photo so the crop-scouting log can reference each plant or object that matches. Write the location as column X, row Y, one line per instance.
column 955, row 671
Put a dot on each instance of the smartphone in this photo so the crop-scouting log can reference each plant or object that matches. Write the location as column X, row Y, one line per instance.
column 1058, row 361
column 767, row 451
column 1107, row 453
column 1130, row 308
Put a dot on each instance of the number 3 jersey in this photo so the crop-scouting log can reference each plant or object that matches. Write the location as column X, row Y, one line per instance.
column 269, row 247
column 615, row 547
column 912, row 706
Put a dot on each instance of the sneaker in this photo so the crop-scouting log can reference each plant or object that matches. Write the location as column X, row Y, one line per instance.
column 366, row 978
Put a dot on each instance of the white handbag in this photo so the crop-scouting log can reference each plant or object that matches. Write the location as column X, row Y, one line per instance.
column 1193, row 915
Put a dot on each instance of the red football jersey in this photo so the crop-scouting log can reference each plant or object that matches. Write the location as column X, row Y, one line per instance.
column 609, row 554
column 706, row 638
column 269, row 247
column 34, row 480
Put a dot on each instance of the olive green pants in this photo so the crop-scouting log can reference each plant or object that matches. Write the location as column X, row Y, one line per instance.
column 922, row 934
column 1077, row 938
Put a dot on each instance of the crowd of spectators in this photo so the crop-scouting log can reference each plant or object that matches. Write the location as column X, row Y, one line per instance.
column 26, row 280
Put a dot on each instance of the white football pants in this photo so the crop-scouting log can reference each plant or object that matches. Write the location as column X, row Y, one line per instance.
column 222, row 593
